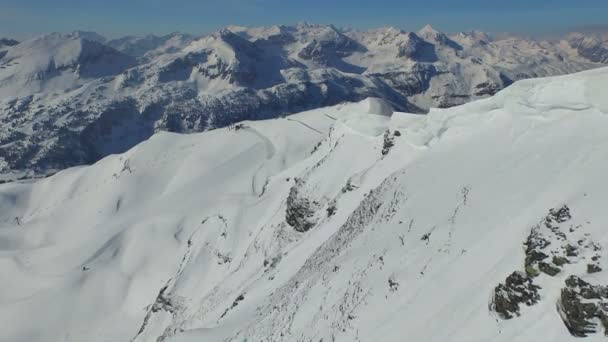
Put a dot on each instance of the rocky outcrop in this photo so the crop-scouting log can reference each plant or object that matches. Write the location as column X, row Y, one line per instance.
column 518, row 289
column 389, row 141
column 541, row 244
column 300, row 210
column 582, row 305
column 551, row 247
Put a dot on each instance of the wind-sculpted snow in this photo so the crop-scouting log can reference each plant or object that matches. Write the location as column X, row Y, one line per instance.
column 72, row 99
column 482, row 222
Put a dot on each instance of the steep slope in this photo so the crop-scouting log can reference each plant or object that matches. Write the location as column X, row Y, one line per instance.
column 72, row 99
column 483, row 222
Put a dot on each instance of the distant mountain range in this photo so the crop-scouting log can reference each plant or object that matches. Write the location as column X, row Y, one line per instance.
column 71, row 99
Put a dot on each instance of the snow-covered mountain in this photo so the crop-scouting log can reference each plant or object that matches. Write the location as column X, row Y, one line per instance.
column 150, row 46
column 57, row 63
column 594, row 47
column 5, row 44
column 482, row 222
column 71, row 99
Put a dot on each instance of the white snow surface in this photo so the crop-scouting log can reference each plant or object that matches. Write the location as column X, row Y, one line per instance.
column 184, row 237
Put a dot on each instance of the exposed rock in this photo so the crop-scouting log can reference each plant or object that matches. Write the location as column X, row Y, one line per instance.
column 538, row 244
column 593, row 268
column 331, row 208
column 558, row 215
column 415, row 48
column 517, row 289
column 571, row 250
column 534, row 243
column 300, row 211
column 236, row 302
column 581, row 305
column 487, row 88
column 548, row 268
column 389, row 142
column 559, row 261
column 393, row 284
column 348, row 186
column 163, row 302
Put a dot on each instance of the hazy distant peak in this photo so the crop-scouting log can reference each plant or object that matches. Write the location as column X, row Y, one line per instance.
column 89, row 35
column 428, row 29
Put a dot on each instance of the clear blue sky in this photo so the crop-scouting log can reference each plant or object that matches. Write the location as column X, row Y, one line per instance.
column 24, row 18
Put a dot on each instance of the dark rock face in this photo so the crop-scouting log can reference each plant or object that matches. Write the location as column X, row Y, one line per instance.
column 487, row 88
column 389, row 142
column 549, row 250
column 517, row 289
column 538, row 243
column 581, row 305
column 548, row 268
column 300, row 211
column 417, row 49
column 558, row 216
column 592, row 268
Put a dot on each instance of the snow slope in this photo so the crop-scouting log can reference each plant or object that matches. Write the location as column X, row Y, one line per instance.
column 57, row 63
column 345, row 223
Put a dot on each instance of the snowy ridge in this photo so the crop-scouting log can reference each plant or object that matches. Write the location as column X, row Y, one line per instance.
column 59, row 59
column 346, row 223
column 72, row 99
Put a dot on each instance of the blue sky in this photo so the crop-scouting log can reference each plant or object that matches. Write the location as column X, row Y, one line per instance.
column 25, row 18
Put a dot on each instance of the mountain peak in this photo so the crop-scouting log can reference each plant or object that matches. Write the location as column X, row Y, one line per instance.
column 428, row 29
column 89, row 35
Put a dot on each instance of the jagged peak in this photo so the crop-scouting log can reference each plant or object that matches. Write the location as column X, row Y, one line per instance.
column 428, row 32
column 428, row 29
column 473, row 37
